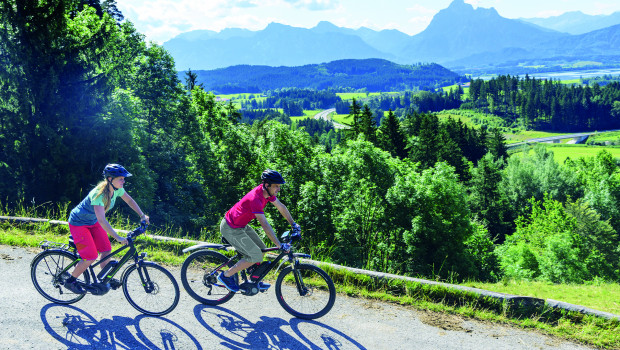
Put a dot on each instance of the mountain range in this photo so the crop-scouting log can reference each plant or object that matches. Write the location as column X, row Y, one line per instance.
column 459, row 37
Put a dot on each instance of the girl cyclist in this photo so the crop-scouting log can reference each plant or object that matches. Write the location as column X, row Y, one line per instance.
column 89, row 227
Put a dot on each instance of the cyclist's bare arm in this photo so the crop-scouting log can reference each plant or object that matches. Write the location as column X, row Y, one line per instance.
column 284, row 211
column 267, row 228
column 133, row 205
column 100, row 213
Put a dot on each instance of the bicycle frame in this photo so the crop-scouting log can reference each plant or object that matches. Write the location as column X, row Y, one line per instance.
column 102, row 289
column 291, row 256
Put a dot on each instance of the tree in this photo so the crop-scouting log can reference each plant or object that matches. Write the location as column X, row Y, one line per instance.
column 430, row 210
column 497, row 145
column 486, row 199
column 391, row 137
column 561, row 244
column 367, row 125
column 59, row 63
column 191, row 79
column 425, row 147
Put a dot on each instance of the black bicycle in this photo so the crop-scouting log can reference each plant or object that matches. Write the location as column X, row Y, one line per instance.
column 303, row 290
column 148, row 287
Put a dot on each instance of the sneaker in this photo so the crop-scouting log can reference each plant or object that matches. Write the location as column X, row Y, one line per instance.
column 229, row 282
column 75, row 287
column 262, row 286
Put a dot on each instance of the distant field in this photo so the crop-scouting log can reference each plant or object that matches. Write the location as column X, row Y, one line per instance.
column 561, row 151
column 341, row 118
column 237, row 99
column 347, row 96
column 607, row 136
column 310, row 113
column 526, row 135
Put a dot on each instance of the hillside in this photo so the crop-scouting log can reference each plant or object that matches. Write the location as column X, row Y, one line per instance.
column 371, row 74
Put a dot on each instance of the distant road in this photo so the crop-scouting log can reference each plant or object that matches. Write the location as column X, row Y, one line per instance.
column 325, row 115
column 584, row 135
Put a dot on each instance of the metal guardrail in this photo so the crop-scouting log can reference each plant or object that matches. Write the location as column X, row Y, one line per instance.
column 509, row 299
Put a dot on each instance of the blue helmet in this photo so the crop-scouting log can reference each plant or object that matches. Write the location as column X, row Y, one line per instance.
column 115, row 170
column 272, row 177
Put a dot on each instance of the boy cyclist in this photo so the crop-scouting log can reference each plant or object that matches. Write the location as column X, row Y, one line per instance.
column 235, row 229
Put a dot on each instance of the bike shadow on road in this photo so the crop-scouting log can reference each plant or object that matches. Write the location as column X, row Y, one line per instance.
column 77, row 329
column 237, row 332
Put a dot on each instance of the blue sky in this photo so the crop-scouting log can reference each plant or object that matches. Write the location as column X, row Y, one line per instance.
column 161, row 20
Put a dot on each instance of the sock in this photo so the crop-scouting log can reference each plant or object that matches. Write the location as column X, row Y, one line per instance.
column 70, row 279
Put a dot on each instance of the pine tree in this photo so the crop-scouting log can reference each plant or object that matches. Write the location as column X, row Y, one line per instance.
column 392, row 138
column 367, row 125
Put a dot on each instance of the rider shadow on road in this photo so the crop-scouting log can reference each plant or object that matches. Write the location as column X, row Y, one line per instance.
column 77, row 329
column 237, row 332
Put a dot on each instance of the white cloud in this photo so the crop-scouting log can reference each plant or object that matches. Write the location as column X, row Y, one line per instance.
column 314, row 5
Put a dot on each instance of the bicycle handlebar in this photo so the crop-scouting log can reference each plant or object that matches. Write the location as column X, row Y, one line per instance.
column 138, row 230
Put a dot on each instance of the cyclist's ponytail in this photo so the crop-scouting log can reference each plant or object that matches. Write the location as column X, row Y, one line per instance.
column 103, row 190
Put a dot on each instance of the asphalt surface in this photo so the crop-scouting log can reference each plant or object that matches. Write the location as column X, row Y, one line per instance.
column 28, row 321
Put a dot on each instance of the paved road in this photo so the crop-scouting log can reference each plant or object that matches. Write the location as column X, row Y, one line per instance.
column 325, row 115
column 28, row 321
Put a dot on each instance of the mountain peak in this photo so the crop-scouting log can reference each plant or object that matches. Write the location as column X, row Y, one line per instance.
column 459, row 5
column 326, row 25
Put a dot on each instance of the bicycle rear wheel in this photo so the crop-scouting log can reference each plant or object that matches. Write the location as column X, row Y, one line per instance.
column 150, row 288
column 306, row 292
column 45, row 272
column 200, row 280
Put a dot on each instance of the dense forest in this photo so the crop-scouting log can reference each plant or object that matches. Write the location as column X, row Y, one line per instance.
column 343, row 75
column 548, row 104
column 412, row 195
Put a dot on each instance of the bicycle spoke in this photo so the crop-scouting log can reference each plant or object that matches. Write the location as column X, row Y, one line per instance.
column 305, row 292
column 151, row 289
column 199, row 277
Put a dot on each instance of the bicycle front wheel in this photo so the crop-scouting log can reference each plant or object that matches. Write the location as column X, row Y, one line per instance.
column 200, row 279
column 150, row 288
column 306, row 292
column 46, row 272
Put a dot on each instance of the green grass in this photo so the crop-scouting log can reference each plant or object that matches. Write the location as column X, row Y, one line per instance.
column 472, row 118
column 605, row 137
column 347, row 96
column 342, row 118
column 524, row 135
column 599, row 296
column 561, row 151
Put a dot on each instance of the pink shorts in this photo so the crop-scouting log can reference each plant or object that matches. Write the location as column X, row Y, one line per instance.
column 90, row 240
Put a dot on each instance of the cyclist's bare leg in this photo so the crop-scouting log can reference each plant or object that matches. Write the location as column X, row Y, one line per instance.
column 84, row 264
column 102, row 256
column 80, row 267
column 242, row 264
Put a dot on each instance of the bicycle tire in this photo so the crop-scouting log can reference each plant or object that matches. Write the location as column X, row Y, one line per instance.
column 319, row 292
column 198, row 280
column 159, row 293
column 44, row 272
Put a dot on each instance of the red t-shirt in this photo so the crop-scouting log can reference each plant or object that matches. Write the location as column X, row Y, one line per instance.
column 244, row 211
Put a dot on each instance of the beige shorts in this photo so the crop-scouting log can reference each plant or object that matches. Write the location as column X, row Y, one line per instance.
column 245, row 240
